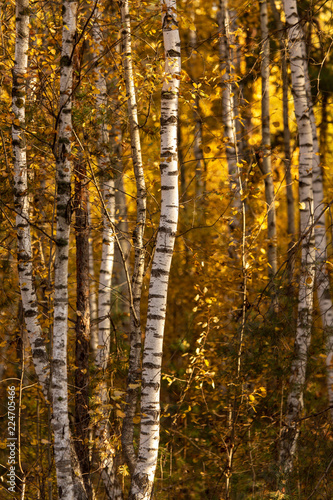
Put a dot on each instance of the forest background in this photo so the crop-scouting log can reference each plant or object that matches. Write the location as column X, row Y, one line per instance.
column 100, row 127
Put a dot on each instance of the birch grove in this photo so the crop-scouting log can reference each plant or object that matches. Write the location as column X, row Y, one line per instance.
column 142, row 352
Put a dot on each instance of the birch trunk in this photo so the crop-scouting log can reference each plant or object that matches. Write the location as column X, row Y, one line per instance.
column 228, row 119
column 322, row 276
column 105, row 276
column 106, row 451
column 121, row 307
column 290, row 431
column 82, row 417
column 266, row 142
column 197, row 144
column 138, row 243
column 21, row 199
column 60, row 420
column 28, row 293
column 143, row 476
column 122, row 253
column 291, row 229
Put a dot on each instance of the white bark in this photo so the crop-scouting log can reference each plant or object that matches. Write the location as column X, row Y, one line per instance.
column 322, row 276
column 138, row 243
column 298, row 65
column 60, row 420
column 197, row 144
column 93, row 294
column 143, row 477
column 228, row 117
column 21, row 199
column 105, row 276
column 266, row 142
column 106, row 451
column 286, row 139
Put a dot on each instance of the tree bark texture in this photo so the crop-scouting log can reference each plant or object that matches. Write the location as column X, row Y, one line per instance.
column 21, row 199
column 143, row 476
column 291, row 228
column 299, row 68
column 228, row 119
column 92, row 294
column 60, row 420
column 197, row 144
column 105, row 448
column 105, row 275
column 134, row 371
column 266, row 142
column 82, row 417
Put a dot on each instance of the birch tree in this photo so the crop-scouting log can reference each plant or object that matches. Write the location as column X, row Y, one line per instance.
column 21, row 198
column 82, row 327
column 59, row 386
column 105, row 275
column 322, row 277
column 286, row 138
column 106, row 450
column 298, row 66
column 228, row 118
column 143, row 476
column 266, row 141
column 134, row 369
column 197, row 145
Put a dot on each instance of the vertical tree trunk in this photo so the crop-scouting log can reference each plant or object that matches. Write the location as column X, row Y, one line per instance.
column 106, row 450
column 92, row 293
column 134, row 370
column 323, row 124
column 298, row 65
column 121, row 306
column 228, row 119
column 21, row 198
column 28, row 293
column 121, row 302
column 197, row 144
column 291, row 229
column 266, row 142
column 59, row 391
column 82, row 418
column 143, row 476
column 105, row 276
column 322, row 277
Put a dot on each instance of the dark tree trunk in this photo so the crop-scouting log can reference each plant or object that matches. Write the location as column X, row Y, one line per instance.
column 82, row 323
